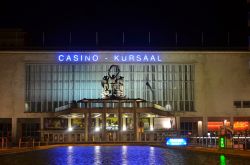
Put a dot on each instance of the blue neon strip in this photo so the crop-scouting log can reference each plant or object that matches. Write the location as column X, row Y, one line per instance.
column 176, row 142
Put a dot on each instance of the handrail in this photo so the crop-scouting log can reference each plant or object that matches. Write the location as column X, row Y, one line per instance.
column 30, row 141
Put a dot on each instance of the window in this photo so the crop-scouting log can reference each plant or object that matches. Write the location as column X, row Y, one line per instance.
column 189, row 128
column 237, row 104
column 5, row 130
column 31, row 130
column 51, row 86
column 246, row 104
column 242, row 104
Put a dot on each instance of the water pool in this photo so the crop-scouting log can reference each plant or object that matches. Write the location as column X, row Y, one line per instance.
column 115, row 155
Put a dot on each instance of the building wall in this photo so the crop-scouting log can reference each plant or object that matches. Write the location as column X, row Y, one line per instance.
column 220, row 79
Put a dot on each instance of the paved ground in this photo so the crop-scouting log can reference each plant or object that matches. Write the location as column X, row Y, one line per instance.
column 234, row 152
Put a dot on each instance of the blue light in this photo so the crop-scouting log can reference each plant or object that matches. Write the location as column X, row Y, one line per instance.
column 105, row 57
column 142, row 57
column 70, row 57
column 176, row 141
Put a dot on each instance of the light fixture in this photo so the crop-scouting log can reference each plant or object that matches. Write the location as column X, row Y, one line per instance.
column 151, row 128
column 70, row 129
column 225, row 122
column 97, row 129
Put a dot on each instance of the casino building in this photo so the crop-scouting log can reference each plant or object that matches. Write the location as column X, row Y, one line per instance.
column 122, row 96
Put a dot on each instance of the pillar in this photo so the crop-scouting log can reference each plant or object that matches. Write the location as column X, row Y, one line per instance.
column 231, row 121
column 90, row 137
column 14, row 129
column 200, row 128
column 119, row 124
column 104, row 126
column 85, row 127
column 136, row 130
column 177, row 123
column 124, row 126
column 41, row 128
column 69, row 127
column 151, row 124
column 97, row 123
column 204, row 125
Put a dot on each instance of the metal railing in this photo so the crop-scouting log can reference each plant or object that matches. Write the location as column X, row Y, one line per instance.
column 4, row 142
column 28, row 142
column 236, row 142
column 51, row 137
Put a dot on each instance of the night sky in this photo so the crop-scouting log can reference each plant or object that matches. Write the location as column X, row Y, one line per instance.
column 215, row 18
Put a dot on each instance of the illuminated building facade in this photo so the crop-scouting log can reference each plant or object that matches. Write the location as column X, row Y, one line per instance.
column 57, row 97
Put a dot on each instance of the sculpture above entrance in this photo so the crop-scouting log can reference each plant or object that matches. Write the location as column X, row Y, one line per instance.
column 113, row 84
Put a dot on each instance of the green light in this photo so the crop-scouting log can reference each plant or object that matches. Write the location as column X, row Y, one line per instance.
column 222, row 160
column 222, row 142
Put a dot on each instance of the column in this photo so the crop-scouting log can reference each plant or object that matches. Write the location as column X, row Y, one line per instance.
column 104, row 125
column 200, row 128
column 90, row 133
column 119, row 121
column 14, row 130
column 204, row 125
column 97, row 128
column 177, row 123
column 124, row 126
column 96, row 132
column 151, row 124
column 136, row 127
column 69, row 129
column 41, row 128
column 231, row 121
column 85, row 127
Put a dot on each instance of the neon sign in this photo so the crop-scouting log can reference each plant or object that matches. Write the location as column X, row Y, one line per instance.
column 77, row 57
column 116, row 57
column 137, row 58
column 176, row 142
column 222, row 142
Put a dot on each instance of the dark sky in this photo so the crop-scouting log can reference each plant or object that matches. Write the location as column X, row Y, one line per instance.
column 183, row 16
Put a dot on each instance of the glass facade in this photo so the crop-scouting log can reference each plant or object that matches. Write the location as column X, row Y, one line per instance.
column 49, row 86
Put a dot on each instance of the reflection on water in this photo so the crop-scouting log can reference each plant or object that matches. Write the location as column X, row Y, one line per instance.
column 116, row 155
column 70, row 155
column 97, row 155
column 222, row 160
column 124, row 155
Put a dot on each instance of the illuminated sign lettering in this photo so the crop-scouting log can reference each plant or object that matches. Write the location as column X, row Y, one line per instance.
column 117, row 57
column 222, row 142
column 176, row 142
column 137, row 58
column 77, row 57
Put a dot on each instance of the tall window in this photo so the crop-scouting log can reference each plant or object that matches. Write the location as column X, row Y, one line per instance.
column 31, row 130
column 49, row 86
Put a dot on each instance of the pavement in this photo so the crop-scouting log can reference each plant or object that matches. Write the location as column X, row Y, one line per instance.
column 232, row 152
